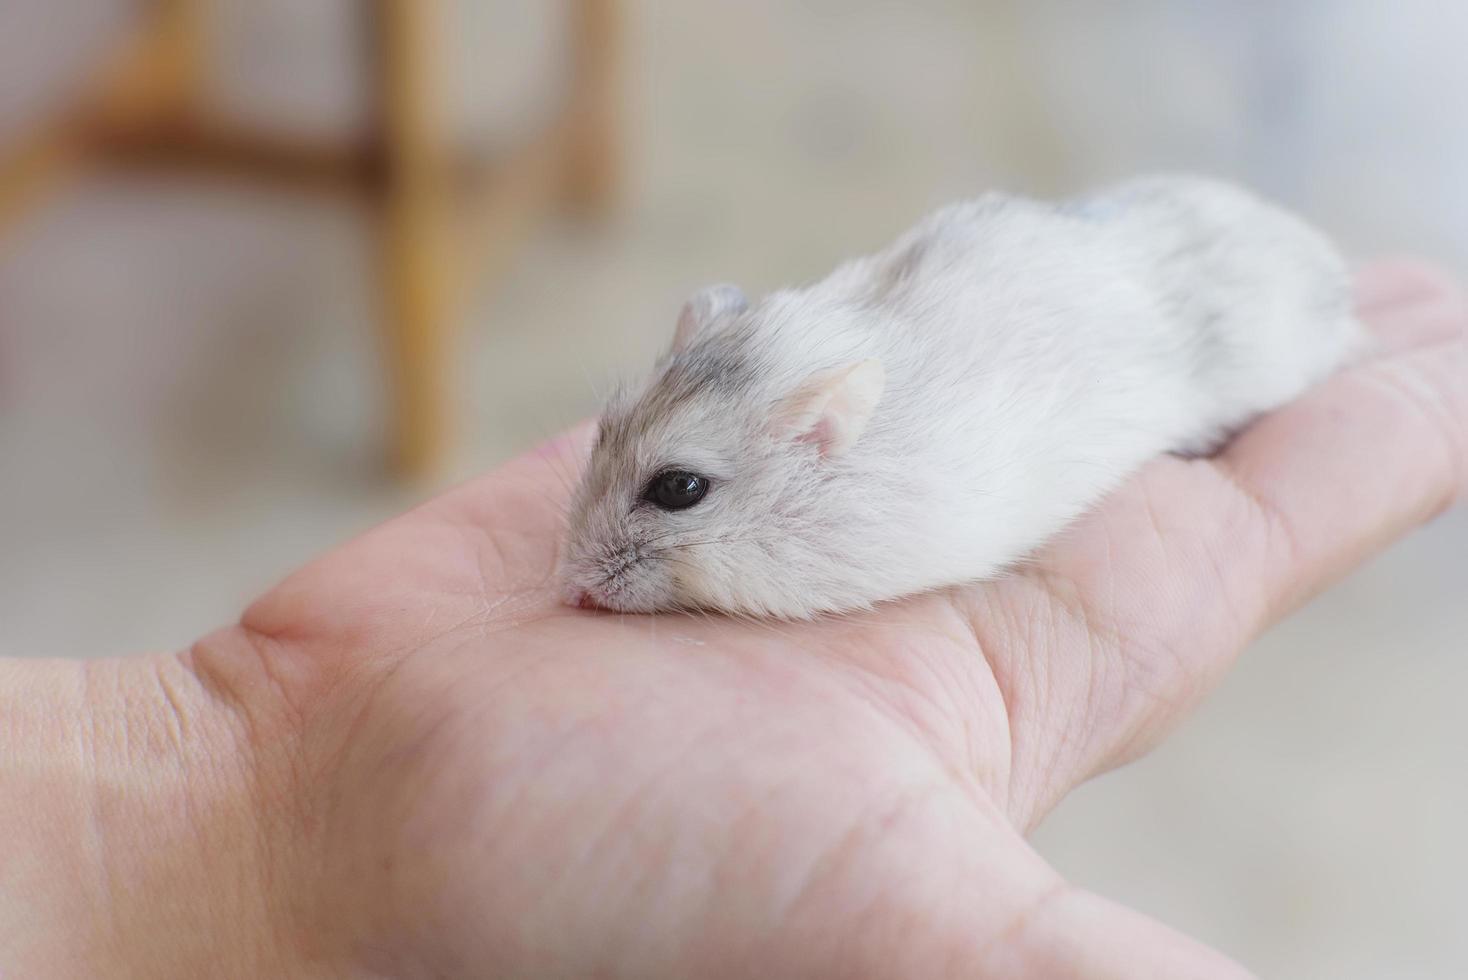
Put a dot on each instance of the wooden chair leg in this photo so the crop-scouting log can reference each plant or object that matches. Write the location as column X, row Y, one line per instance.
column 414, row 231
column 593, row 163
column 27, row 172
column 146, row 105
column 181, row 27
column 132, row 88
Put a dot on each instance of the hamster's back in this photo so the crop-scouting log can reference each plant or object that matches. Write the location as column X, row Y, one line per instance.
column 1261, row 301
column 1037, row 353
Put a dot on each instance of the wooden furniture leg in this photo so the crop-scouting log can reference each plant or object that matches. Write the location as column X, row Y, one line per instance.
column 181, row 29
column 145, row 107
column 413, row 228
column 130, row 89
column 27, row 172
column 592, row 164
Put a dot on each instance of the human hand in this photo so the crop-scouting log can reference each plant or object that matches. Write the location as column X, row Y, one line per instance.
column 462, row 777
column 507, row 786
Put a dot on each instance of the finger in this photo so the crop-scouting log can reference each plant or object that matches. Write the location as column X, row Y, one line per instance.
column 1396, row 282
column 514, row 518
column 1371, row 454
column 481, row 552
column 533, row 489
column 1082, row 935
column 1074, row 933
column 1409, row 304
column 1294, row 503
column 1145, row 603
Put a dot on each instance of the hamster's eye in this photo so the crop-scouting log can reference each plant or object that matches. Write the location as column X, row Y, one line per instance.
column 676, row 489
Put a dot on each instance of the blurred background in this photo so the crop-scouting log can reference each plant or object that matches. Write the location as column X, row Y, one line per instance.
column 272, row 270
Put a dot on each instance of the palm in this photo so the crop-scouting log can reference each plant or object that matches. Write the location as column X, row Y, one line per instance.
column 518, row 788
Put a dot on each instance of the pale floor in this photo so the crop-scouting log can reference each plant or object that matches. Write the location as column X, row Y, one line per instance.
column 189, row 408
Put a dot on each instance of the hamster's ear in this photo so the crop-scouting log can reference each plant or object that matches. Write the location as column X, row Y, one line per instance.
column 706, row 306
column 831, row 408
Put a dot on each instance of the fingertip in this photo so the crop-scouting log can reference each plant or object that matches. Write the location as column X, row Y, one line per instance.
column 1410, row 306
column 1399, row 282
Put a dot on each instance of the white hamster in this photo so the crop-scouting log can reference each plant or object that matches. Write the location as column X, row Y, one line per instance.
column 929, row 414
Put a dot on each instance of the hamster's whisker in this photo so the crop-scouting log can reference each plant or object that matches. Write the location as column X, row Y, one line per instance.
column 596, row 394
column 672, row 559
column 564, row 472
column 728, row 539
column 664, row 535
column 658, row 537
column 567, row 475
column 567, row 471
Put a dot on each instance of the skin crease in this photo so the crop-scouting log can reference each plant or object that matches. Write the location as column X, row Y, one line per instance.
column 411, row 759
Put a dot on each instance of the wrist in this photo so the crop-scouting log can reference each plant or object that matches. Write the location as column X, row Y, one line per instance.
column 144, row 826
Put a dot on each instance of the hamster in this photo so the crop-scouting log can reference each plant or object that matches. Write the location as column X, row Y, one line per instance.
column 930, row 414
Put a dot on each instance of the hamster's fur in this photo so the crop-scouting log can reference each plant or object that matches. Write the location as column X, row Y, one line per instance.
column 931, row 413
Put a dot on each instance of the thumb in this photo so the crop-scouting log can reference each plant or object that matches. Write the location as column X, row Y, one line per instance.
column 1073, row 933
